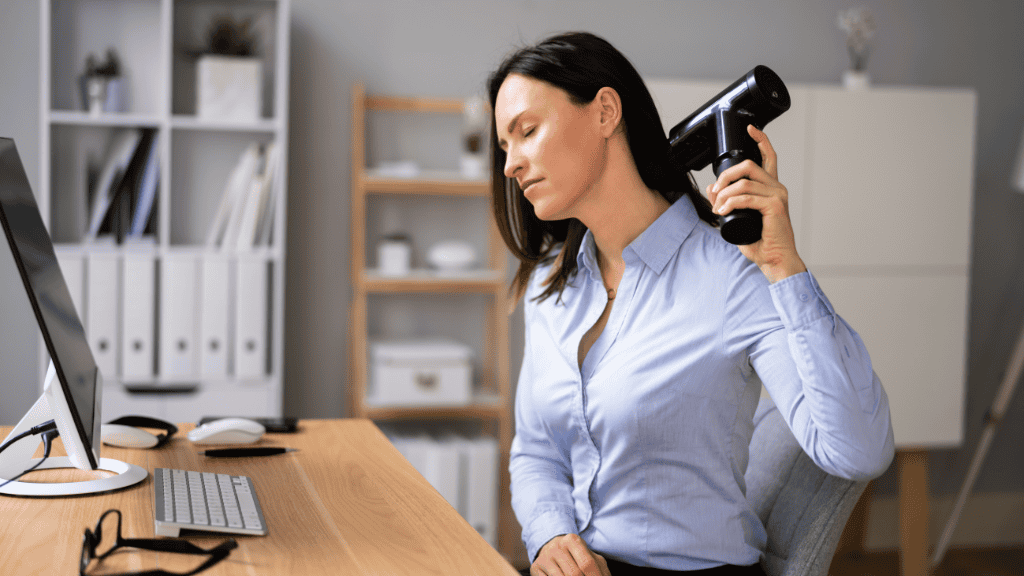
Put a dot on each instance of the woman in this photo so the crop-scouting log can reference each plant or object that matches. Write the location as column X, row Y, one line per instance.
column 648, row 336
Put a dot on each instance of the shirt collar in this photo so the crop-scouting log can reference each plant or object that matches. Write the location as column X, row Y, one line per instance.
column 656, row 245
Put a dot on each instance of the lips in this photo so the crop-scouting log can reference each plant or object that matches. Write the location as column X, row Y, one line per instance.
column 524, row 185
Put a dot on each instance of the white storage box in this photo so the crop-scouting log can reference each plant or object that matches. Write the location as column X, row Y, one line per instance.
column 229, row 88
column 420, row 373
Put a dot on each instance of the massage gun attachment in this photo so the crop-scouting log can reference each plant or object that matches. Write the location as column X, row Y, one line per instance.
column 716, row 134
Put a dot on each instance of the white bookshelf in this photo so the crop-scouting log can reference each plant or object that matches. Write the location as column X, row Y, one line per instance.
column 152, row 39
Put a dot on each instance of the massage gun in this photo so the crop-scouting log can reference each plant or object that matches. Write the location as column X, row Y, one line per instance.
column 716, row 134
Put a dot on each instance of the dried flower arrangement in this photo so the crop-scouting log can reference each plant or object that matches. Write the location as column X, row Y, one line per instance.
column 859, row 24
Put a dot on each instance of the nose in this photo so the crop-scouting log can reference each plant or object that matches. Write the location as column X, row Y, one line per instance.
column 514, row 162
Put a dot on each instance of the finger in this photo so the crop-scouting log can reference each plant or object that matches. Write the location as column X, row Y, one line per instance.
column 602, row 564
column 748, row 169
column 739, row 188
column 584, row 560
column 769, row 160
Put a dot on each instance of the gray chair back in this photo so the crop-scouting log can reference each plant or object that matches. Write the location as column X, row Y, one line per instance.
column 803, row 508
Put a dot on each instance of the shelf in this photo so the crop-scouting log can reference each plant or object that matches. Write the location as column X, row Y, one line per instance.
column 186, row 122
column 108, row 119
column 481, row 411
column 431, row 281
column 436, row 183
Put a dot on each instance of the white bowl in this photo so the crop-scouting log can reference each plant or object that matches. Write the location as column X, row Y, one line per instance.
column 451, row 256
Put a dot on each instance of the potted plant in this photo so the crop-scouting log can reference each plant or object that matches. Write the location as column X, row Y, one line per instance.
column 102, row 84
column 229, row 75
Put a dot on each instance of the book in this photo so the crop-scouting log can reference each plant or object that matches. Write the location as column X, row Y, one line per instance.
column 235, row 189
column 146, row 195
column 123, row 205
column 257, row 203
column 117, row 158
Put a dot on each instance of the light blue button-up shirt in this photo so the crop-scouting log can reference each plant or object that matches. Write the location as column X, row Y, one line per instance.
column 643, row 451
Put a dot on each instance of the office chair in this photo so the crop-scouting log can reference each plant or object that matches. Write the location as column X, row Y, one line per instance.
column 803, row 508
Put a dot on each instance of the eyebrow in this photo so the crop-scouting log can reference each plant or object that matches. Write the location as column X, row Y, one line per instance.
column 511, row 125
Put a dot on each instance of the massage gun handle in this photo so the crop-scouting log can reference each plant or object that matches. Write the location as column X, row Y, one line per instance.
column 743, row 225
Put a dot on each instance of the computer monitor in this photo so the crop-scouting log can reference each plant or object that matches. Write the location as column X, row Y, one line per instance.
column 73, row 386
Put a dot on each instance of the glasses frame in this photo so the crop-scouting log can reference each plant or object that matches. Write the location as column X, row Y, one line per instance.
column 92, row 538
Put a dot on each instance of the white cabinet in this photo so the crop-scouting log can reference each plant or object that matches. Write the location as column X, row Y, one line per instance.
column 160, row 320
column 881, row 187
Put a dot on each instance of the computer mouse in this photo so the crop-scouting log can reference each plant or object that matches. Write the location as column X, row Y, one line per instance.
column 227, row 431
column 123, row 436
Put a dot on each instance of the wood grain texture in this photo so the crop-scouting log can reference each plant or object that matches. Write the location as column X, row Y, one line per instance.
column 346, row 503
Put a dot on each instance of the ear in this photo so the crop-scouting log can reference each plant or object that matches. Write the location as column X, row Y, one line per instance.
column 610, row 107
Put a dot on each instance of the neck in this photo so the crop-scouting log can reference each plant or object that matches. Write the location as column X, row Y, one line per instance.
column 619, row 208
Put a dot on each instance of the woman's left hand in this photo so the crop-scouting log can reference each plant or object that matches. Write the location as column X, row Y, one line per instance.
column 747, row 185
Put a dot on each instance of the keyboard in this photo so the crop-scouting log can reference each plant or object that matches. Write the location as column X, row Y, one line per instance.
column 185, row 499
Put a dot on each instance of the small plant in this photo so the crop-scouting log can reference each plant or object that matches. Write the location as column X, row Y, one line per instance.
column 859, row 25
column 230, row 37
column 109, row 68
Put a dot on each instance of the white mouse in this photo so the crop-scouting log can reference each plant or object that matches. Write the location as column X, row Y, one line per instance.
column 227, row 431
column 126, row 436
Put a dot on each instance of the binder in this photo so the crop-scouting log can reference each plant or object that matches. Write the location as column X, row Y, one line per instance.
column 442, row 468
column 72, row 267
column 179, row 287
column 214, row 316
column 480, row 485
column 138, row 326
column 103, row 274
column 250, row 345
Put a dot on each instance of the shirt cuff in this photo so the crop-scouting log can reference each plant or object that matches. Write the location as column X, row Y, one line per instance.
column 800, row 301
column 545, row 526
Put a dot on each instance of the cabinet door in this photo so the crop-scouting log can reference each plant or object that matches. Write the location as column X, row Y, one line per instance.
column 915, row 329
column 890, row 173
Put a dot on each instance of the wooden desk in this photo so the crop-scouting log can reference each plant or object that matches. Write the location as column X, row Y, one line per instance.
column 346, row 503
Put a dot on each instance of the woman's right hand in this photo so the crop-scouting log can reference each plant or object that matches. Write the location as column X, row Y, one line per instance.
column 568, row 555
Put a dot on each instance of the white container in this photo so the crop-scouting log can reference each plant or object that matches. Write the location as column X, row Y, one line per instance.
column 394, row 258
column 229, row 88
column 420, row 373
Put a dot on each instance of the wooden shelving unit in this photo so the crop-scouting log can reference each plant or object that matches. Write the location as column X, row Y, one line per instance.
column 492, row 404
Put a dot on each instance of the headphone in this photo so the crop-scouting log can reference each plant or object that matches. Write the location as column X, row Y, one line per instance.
column 135, row 424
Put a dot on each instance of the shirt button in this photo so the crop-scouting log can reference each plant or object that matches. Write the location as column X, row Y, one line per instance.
column 804, row 297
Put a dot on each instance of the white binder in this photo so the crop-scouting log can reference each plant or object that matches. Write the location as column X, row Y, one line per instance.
column 138, row 325
column 179, row 289
column 480, row 485
column 103, row 304
column 215, row 316
column 72, row 267
column 436, row 460
column 251, row 316
column 442, row 468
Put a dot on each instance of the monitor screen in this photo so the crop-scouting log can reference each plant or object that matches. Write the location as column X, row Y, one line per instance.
column 48, row 293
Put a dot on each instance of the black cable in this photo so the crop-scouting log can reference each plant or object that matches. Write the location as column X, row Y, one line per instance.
column 49, row 431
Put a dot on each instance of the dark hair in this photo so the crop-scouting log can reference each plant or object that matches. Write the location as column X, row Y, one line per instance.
column 579, row 63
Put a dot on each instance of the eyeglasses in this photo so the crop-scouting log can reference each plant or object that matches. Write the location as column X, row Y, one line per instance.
column 92, row 539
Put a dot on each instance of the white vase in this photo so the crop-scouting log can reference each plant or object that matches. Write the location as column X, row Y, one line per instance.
column 856, row 80
column 229, row 88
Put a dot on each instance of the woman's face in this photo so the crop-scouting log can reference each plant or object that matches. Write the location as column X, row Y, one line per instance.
column 553, row 147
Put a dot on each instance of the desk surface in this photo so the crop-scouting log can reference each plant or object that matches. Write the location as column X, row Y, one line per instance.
column 346, row 503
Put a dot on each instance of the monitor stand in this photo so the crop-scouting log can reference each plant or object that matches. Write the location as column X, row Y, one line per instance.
column 17, row 457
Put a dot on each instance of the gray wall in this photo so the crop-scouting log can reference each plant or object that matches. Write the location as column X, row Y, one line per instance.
column 446, row 47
